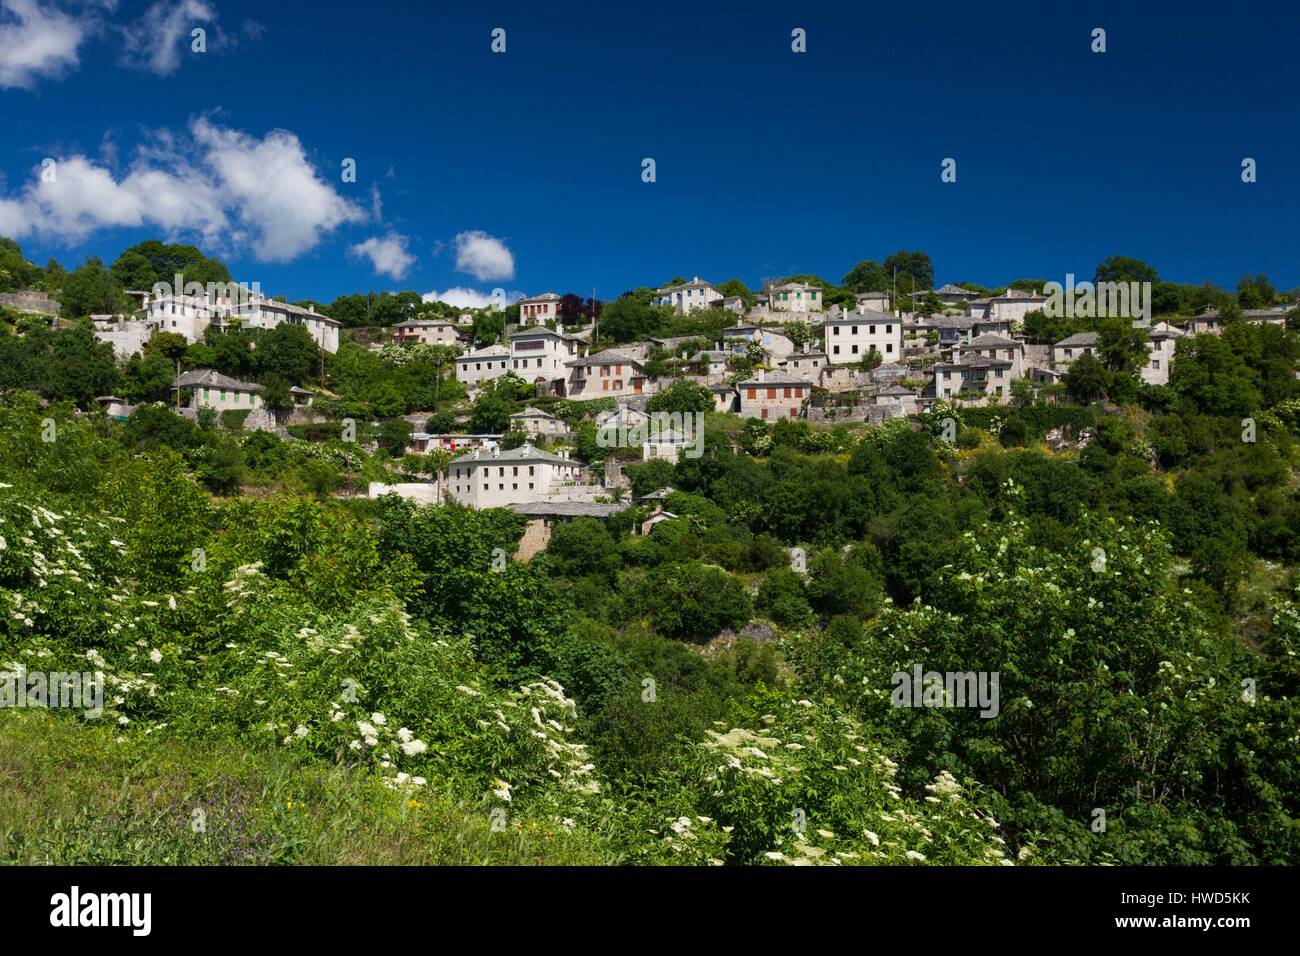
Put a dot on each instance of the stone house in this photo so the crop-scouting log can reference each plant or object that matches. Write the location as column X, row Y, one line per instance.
column 772, row 395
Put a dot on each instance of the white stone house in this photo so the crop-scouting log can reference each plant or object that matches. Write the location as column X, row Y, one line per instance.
column 539, row 309
column 795, row 297
column 666, row 445
column 994, row 347
column 542, row 356
column 978, row 379
column 604, row 375
column 622, row 417
column 872, row 302
column 495, row 478
column 689, row 296
column 1074, row 347
column 483, row 365
column 1162, row 339
column 849, row 336
column 426, row 332
column 190, row 316
column 208, row 388
column 772, row 395
column 736, row 339
column 1011, row 306
column 536, row 422
column 805, row 363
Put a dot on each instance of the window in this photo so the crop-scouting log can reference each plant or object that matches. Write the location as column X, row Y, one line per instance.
column 835, row 350
column 871, row 329
column 771, row 393
column 751, row 393
column 794, row 413
column 855, row 350
column 1155, row 364
column 786, row 393
column 889, row 347
column 763, row 413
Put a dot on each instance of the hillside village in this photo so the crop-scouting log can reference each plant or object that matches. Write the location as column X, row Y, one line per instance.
column 549, row 373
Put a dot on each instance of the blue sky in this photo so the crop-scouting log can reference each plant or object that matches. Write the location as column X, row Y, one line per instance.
column 522, row 170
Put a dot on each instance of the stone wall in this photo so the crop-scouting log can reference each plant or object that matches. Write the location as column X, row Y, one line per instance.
column 537, row 535
column 872, row 414
column 29, row 302
column 126, row 337
column 425, row 492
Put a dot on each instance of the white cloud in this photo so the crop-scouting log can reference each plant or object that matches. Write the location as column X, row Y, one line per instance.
column 388, row 255
column 156, row 40
column 276, row 191
column 462, row 297
column 484, row 257
column 37, row 42
column 226, row 186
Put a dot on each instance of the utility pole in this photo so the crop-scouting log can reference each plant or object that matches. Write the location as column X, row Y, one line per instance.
column 595, row 318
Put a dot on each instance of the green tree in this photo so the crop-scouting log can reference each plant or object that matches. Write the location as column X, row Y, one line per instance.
column 90, row 290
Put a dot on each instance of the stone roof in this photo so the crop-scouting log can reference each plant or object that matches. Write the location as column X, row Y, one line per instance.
column 495, row 350
column 696, row 283
column 772, row 379
column 530, row 412
column 974, row 363
column 211, row 378
column 989, row 340
column 515, row 456
column 296, row 310
column 565, row 509
column 544, row 297
column 866, row 316
column 1079, row 339
column 602, row 358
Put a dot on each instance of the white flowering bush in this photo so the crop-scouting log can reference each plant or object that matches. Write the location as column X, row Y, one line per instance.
column 801, row 785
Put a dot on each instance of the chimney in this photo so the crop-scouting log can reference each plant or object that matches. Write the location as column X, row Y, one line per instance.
column 761, row 373
column 496, row 451
column 311, row 309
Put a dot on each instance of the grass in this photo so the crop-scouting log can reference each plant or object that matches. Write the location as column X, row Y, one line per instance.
column 71, row 793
